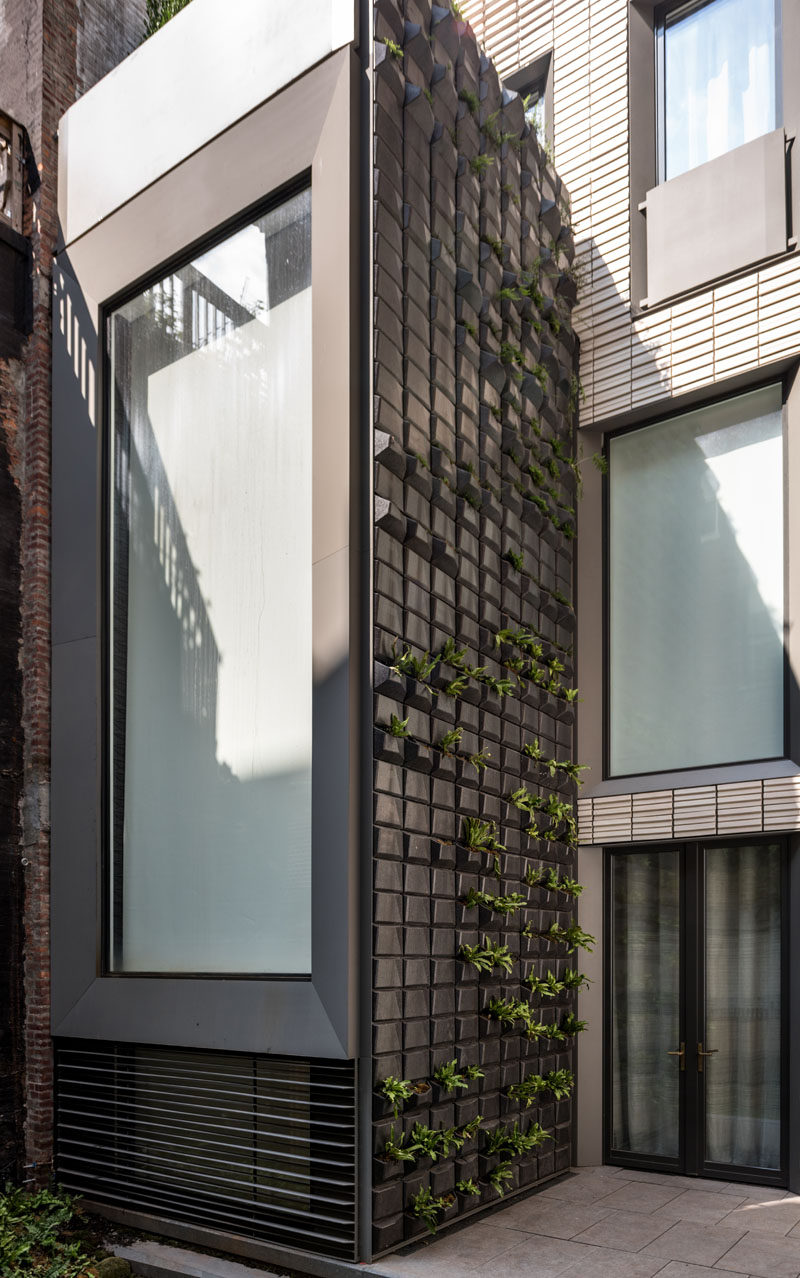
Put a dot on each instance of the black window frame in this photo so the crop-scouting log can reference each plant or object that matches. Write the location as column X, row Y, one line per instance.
column 643, row 136
column 536, row 76
column 672, row 776
column 692, row 897
column 666, row 15
column 111, row 846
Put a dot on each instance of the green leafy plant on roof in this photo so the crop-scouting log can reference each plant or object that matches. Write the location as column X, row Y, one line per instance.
column 159, row 13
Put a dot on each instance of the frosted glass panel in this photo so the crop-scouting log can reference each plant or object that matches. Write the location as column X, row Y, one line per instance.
column 645, row 1003
column 719, row 67
column 743, row 1006
column 696, row 588
column 211, row 653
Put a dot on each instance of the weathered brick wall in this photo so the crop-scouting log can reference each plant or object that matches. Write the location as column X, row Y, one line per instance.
column 10, row 790
column 475, row 392
column 51, row 52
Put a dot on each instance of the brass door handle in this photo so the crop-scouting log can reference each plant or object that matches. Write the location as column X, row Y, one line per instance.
column 701, row 1054
column 681, row 1054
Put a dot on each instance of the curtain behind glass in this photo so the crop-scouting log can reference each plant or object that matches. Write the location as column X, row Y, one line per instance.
column 719, row 63
column 645, row 996
column 696, row 588
column 211, row 645
column 743, row 1006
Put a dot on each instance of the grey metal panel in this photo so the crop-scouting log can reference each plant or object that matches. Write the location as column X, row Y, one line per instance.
column 220, row 1013
column 294, row 1017
column 74, row 459
column 73, row 820
column 691, row 236
column 262, row 1146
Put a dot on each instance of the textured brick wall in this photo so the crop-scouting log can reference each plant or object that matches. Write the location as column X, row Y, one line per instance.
column 10, row 789
column 474, row 398
column 51, row 52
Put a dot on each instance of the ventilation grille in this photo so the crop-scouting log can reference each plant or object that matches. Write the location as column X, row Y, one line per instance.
column 260, row 1146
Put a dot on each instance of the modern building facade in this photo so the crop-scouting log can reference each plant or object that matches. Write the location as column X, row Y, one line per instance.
column 312, row 957
column 673, row 126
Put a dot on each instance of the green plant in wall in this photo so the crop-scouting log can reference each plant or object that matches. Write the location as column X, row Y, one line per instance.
column 452, row 655
column 499, row 904
column 573, row 936
column 457, row 686
column 480, row 761
column 571, row 1025
column 488, row 958
column 450, row 1137
column 451, row 740
column 528, row 1090
column 395, row 1149
column 547, row 987
column 398, row 727
column 451, row 1079
column 525, row 801
column 569, row 886
column 510, row 1011
column 480, row 835
column 516, row 560
column 514, row 1141
column 560, row 1082
column 480, row 163
column 499, row 1177
column 574, row 980
column 468, row 1187
column 470, row 99
column 394, row 49
column 397, row 1091
column 425, row 1141
column 430, row 1209
column 420, row 668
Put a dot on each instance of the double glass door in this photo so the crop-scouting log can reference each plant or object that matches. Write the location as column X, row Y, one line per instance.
column 696, row 1027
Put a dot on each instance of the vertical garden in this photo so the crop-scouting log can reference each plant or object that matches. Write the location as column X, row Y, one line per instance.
column 476, row 949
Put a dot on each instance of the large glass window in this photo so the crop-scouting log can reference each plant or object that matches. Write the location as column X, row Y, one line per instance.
column 696, row 588
column 210, row 653
column 719, row 87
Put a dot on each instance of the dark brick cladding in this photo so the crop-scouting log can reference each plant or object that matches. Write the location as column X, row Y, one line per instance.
column 472, row 390
column 51, row 52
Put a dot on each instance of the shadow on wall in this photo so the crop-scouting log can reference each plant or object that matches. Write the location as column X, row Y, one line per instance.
column 620, row 347
column 690, row 569
column 194, row 842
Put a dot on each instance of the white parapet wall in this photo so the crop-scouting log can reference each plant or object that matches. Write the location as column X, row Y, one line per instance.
column 212, row 64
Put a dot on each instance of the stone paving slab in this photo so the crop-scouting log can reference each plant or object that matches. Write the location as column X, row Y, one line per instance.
column 608, row 1222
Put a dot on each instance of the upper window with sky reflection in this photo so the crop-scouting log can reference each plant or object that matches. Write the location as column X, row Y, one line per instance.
column 696, row 595
column 210, row 451
column 719, row 81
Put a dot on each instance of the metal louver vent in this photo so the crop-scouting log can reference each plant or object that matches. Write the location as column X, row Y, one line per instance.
column 260, row 1146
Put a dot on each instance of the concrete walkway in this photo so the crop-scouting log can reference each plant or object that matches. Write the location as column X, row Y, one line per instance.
column 607, row 1222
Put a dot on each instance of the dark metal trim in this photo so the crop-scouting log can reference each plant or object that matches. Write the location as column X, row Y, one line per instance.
column 538, row 72
column 692, row 1160
column 664, row 16
column 309, row 1018
column 362, row 455
column 106, row 593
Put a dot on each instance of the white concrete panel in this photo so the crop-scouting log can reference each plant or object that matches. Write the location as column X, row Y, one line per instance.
column 207, row 68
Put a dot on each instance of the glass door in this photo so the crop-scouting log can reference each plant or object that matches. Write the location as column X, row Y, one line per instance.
column 739, row 1052
column 646, row 1005
column 695, row 1028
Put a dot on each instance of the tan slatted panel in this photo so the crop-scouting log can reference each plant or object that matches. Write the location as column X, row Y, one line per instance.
column 733, row 327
